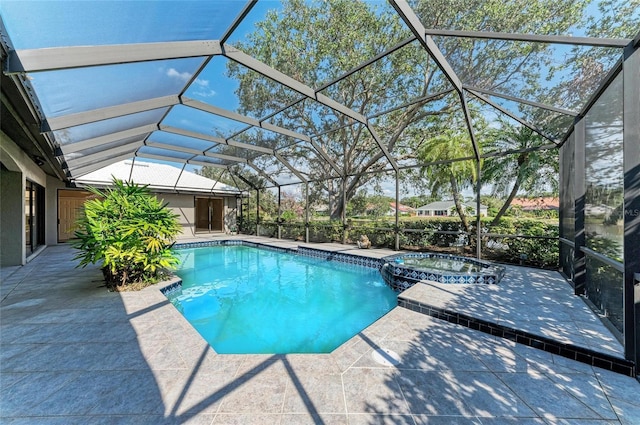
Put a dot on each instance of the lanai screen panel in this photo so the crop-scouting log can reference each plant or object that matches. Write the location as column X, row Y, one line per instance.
column 60, row 23
column 316, row 42
column 242, row 90
column 498, row 133
column 407, row 129
column 69, row 91
column 201, row 122
column 550, row 120
column 179, row 142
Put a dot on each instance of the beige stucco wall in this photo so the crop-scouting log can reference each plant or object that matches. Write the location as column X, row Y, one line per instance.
column 184, row 207
column 21, row 168
column 51, row 210
column 11, row 211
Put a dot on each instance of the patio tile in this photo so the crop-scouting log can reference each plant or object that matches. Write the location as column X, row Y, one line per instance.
column 246, row 419
column 373, row 391
column 486, row 396
column 46, row 420
column 29, row 393
column 148, row 420
column 312, row 363
column 579, row 422
column 619, row 387
column 433, row 393
column 528, row 386
column 412, row 355
column 309, row 419
column 627, row 413
column 587, row 389
column 511, row 421
column 255, row 393
column 106, row 392
column 314, row 393
column 379, row 419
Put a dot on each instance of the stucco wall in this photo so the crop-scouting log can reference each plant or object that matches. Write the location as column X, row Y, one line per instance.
column 184, row 207
column 51, row 210
column 21, row 168
column 11, row 213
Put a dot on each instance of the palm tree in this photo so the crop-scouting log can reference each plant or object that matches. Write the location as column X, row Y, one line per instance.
column 449, row 176
column 530, row 170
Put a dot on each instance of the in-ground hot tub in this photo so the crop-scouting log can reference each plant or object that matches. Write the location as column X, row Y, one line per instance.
column 402, row 271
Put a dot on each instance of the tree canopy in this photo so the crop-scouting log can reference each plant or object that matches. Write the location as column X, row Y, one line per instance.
column 404, row 95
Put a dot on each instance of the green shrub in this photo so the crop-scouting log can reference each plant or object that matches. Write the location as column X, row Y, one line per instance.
column 130, row 233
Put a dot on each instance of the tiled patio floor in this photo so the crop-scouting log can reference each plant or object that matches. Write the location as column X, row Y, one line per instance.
column 73, row 353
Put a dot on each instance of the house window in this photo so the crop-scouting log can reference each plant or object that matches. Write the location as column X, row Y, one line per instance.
column 440, row 212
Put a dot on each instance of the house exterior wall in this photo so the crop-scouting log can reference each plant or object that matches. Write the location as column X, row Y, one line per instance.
column 11, row 216
column 12, row 211
column 184, row 205
column 51, row 210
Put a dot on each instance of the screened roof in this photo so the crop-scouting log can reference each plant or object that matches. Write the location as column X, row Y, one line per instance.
column 295, row 91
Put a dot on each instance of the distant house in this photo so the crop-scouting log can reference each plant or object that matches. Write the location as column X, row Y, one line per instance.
column 544, row 203
column 447, row 208
column 402, row 209
column 203, row 205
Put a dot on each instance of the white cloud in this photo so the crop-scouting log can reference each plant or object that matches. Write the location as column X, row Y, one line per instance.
column 184, row 76
column 203, row 88
column 205, row 93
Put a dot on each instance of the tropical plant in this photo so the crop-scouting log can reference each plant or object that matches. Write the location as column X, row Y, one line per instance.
column 129, row 232
column 451, row 176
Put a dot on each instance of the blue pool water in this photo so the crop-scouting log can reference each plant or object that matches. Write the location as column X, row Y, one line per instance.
column 248, row 300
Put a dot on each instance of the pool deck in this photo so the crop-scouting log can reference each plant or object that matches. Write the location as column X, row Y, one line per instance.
column 73, row 353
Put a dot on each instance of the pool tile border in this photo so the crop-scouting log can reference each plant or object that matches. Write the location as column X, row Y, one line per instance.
column 405, row 276
column 570, row 351
column 375, row 263
column 303, row 251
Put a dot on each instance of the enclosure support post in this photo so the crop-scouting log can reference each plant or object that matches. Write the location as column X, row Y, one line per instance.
column 579, row 260
column 631, row 152
column 397, row 227
column 238, row 213
column 306, row 213
column 344, row 210
column 257, row 212
column 279, row 212
column 478, row 221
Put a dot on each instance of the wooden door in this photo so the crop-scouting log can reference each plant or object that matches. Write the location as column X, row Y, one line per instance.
column 70, row 205
column 202, row 214
column 217, row 215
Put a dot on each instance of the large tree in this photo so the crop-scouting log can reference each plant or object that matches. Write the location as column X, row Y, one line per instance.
column 317, row 42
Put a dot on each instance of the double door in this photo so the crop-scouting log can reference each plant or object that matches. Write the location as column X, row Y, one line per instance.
column 209, row 215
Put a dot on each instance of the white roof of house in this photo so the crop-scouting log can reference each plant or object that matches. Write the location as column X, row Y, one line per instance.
column 445, row 205
column 160, row 177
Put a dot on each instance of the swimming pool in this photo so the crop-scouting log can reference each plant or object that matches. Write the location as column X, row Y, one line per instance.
column 243, row 299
